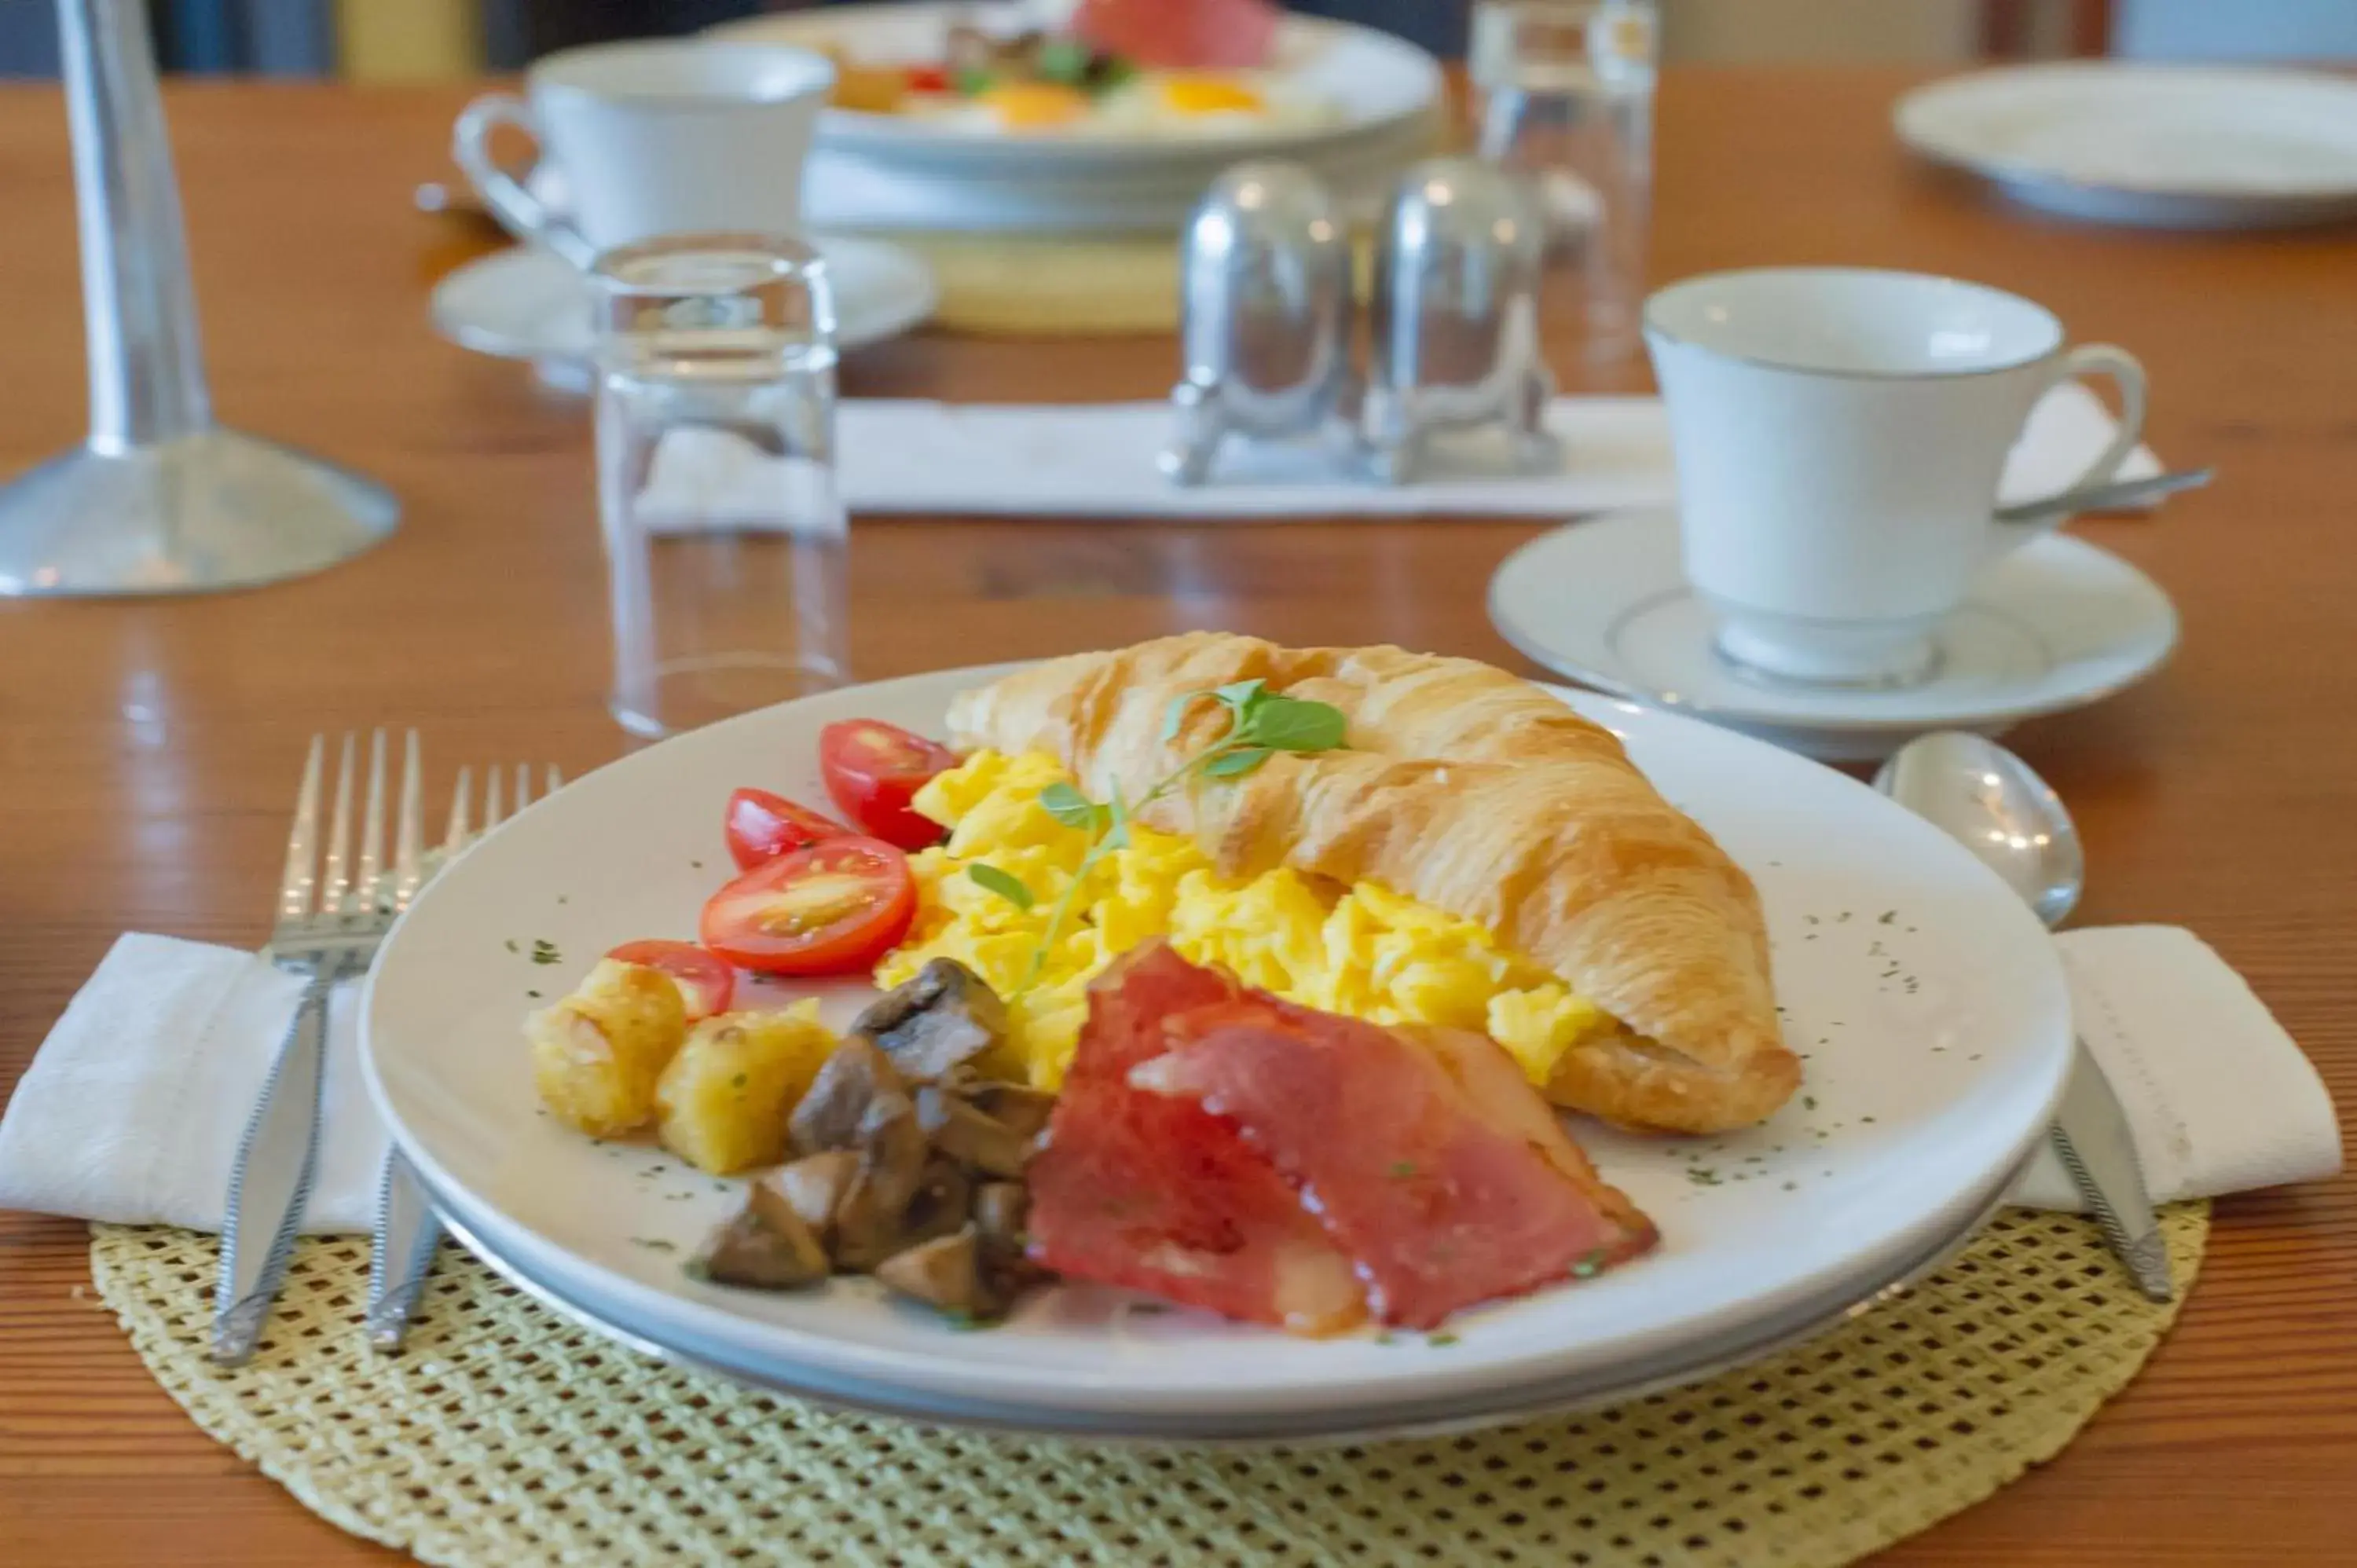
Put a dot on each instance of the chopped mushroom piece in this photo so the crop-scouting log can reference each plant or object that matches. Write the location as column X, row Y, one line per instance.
column 830, row 1115
column 945, row 1272
column 942, row 1201
column 959, row 1130
column 1019, row 1106
column 946, row 1017
column 999, row 1209
column 815, row 1186
column 765, row 1246
column 869, row 1221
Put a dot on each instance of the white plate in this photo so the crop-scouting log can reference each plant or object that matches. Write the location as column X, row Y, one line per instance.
column 528, row 303
column 843, row 190
column 1376, row 82
column 1930, row 1003
column 2169, row 146
column 2056, row 625
column 1377, row 1424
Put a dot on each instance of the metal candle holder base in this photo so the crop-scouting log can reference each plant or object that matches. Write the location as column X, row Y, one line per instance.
column 214, row 509
column 160, row 499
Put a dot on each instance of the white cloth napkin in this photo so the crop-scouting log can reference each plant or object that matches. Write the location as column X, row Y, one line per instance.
column 1099, row 460
column 132, row 1109
column 2219, row 1098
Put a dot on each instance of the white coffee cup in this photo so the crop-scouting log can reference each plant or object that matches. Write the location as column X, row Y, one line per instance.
column 1839, row 434
column 654, row 136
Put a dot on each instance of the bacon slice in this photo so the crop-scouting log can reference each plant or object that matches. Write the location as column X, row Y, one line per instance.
column 1158, row 1193
column 1444, row 1177
column 1180, row 35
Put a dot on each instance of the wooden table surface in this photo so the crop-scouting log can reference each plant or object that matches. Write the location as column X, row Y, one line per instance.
column 150, row 750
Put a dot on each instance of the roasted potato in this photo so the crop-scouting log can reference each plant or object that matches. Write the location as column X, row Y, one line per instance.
column 727, row 1095
column 597, row 1054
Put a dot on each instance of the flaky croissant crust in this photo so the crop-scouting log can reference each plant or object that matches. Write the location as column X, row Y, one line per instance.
column 1470, row 790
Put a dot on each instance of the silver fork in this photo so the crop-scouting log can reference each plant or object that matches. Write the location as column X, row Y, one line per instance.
column 330, row 924
column 407, row 1229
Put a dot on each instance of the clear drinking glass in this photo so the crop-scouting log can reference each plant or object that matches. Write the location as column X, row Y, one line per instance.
column 725, row 532
column 1563, row 93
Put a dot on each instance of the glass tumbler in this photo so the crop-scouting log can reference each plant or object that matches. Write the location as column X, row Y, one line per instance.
column 725, row 530
column 1562, row 94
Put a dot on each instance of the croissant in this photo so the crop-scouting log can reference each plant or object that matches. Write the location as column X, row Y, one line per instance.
column 1470, row 790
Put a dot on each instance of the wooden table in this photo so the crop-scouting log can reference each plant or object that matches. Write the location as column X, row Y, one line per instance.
column 150, row 750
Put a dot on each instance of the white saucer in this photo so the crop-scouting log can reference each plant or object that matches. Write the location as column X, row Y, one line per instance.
column 2174, row 146
column 2056, row 625
column 529, row 304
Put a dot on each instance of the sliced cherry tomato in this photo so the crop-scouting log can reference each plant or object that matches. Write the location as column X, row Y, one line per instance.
column 928, row 79
column 871, row 770
column 831, row 908
column 707, row 983
column 762, row 826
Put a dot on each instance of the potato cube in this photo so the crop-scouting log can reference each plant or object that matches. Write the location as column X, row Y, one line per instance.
column 726, row 1096
column 597, row 1053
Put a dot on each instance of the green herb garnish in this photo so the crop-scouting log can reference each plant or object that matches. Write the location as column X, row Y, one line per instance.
column 654, row 1243
column 1008, row 887
column 544, row 951
column 1588, row 1265
column 1440, row 1340
column 1064, row 60
column 1259, row 724
column 1401, row 1169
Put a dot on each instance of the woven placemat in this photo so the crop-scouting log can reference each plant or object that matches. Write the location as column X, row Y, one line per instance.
column 1015, row 285
column 504, row 1435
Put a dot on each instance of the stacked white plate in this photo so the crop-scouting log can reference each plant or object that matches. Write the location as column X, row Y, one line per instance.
column 883, row 171
column 1928, row 1002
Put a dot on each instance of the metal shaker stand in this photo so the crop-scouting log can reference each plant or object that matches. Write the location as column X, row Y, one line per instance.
column 1266, row 320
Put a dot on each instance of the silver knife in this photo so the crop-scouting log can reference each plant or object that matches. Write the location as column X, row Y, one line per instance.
column 407, row 1232
column 2091, row 1138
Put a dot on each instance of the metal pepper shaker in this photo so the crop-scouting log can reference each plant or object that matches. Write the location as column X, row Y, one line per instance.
column 1264, row 315
column 1456, row 317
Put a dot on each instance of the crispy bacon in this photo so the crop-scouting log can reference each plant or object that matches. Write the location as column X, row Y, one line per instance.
column 1159, row 1194
column 1446, row 1180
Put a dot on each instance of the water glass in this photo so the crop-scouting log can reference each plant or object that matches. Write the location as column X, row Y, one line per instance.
column 724, row 529
column 1564, row 96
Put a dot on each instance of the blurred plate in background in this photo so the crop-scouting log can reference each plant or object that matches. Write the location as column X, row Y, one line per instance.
column 2153, row 145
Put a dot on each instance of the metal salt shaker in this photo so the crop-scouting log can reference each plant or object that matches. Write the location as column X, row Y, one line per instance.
column 1456, row 317
column 1265, row 303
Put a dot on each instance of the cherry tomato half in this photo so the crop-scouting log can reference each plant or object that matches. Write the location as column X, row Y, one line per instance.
column 762, row 826
column 928, row 79
column 707, row 983
column 831, row 908
column 871, row 770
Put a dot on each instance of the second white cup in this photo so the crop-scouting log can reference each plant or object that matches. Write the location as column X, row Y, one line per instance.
column 1839, row 435
column 654, row 136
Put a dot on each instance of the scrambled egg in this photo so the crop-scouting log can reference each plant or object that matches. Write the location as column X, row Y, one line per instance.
column 1363, row 950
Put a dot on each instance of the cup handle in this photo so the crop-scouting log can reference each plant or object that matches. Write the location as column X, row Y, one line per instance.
column 2126, row 372
column 520, row 212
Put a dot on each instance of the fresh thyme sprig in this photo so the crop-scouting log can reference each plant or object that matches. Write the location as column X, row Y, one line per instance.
column 1261, row 723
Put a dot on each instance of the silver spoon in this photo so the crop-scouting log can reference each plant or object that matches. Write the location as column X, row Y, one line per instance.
column 2111, row 497
column 1989, row 800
